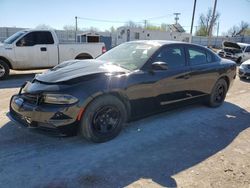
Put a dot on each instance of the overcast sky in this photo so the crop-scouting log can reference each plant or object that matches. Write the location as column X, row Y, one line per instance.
column 57, row 13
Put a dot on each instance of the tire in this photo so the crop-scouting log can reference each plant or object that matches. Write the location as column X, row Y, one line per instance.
column 103, row 119
column 218, row 94
column 239, row 60
column 4, row 70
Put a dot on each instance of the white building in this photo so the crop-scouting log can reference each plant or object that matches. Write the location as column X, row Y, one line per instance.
column 125, row 34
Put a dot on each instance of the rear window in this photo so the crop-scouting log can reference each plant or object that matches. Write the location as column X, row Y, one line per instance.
column 199, row 56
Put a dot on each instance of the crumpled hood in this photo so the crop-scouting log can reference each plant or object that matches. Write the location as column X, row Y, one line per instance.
column 227, row 44
column 77, row 68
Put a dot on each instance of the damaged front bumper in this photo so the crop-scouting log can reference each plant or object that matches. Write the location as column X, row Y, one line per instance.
column 57, row 118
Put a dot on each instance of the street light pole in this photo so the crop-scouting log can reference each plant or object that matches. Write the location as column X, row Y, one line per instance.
column 192, row 23
column 76, row 29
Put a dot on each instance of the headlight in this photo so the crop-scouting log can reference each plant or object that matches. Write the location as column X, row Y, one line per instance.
column 243, row 66
column 59, row 99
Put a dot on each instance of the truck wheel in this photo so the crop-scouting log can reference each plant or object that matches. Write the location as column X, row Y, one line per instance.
column 4, row 70
column 103, row 119
column 218, row 94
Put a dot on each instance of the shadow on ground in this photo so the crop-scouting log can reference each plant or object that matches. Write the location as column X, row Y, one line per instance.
column 16, row 80
column 153, row 148
column 245, row 80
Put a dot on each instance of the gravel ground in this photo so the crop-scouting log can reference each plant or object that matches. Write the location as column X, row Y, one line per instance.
column 194, row 146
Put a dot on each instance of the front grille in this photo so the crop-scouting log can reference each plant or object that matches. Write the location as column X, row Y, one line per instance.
column 32, row 98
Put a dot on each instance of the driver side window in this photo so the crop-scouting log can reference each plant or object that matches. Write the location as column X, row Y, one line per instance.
column 27, row 40
column 172, row 55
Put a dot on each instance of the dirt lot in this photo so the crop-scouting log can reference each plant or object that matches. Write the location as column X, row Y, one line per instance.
column 194, row 146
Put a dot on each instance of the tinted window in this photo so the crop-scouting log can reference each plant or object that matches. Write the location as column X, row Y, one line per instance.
column 173, row 56
column 210, row 57
column 248, row 49
column 198, row 56
column 44, row 37
column 37, row 37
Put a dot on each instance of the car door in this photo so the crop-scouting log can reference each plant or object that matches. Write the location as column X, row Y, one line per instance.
column 33, row 50
column 26, row 53
column 204, row 70
column 172, row 83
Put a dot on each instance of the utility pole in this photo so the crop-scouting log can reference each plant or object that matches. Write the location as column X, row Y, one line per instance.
column 210, row 29
column 76, row 30
column 145, row 24
column 192, row 23
column 176, row 17
column 217, row 34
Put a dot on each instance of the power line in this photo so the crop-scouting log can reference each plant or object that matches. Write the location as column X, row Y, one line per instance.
column 159, row 17
column 113, row 21
column 101, row 20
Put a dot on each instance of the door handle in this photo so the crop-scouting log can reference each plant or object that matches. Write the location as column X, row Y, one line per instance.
column 43, row 49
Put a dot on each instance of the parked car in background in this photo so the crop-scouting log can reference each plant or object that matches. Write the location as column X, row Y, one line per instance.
column 244, row 70
column 132, row 80
column 33, row 49
column 238, row 52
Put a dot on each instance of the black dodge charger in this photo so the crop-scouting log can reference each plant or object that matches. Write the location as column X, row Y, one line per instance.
column 96, row 97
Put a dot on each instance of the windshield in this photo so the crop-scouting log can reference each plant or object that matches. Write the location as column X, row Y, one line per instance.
column 131, row 55
column 15, row 36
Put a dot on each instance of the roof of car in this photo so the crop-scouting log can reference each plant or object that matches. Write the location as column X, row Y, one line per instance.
column 163, row 42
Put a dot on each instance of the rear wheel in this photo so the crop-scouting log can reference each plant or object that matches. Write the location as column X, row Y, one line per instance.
column 218, row 95
column 4, row 70
column 103, row 119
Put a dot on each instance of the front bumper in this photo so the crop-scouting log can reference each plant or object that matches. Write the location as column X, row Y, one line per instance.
column 56, row 118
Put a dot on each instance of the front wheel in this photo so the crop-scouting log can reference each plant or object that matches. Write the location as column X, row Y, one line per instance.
column 4, row 70
column 103, row 119
column 218, row 95
column 238, row 61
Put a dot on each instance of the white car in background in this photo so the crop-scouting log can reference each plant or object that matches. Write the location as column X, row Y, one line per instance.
column 244, row 69
column 238, row 52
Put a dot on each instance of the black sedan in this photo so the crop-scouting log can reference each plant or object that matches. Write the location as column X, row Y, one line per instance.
column 135, row 79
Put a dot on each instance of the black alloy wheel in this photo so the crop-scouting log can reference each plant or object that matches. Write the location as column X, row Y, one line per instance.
column 103, row 119
column 106, row 119
column 218, row 95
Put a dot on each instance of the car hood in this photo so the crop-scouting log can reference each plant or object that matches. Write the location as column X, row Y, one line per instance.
column 78, row 68
column 227, row 44
column 247, row 62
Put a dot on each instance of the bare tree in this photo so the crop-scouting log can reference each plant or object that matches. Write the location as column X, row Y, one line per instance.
column 132, row 24
column 239, row 30
column 206, row 22
column 69, row 28
column 43, row 26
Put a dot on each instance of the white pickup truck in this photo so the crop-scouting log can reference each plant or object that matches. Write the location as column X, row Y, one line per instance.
column 33, row 49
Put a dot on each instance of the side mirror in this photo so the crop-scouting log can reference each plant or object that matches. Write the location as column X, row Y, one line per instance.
column 159, row 65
